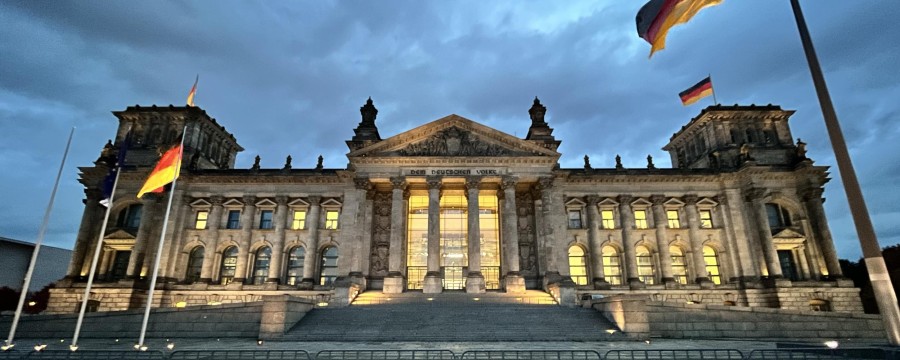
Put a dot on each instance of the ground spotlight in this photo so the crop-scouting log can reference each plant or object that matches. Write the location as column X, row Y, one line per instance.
column 144, row 348
column 40, row 347
column 7, row 347
column 610, row 331
column 259, row 342
column 647, row 342
column 832, row 344
column 137, row 346
column 170, row 346
column 73, row 347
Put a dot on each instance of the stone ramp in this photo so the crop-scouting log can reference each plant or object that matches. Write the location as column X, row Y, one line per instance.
column 453, row 317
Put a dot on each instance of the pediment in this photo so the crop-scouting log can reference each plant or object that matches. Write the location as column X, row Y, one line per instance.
column 453, row 136
column 119, row 234
column 788, row 234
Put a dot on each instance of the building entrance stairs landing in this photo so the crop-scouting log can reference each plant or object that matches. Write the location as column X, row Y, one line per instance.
column 450, row 316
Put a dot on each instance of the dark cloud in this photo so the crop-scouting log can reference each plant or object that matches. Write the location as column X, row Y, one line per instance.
column 289, row 78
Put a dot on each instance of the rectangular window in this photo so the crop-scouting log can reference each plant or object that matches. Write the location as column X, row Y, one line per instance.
column 299, row 220
column 607, row 220
column 574, row 219
column 200, row 221
column 672, row 216
column 265, row 219
column 234, row 219
column 706, row 219
column 640, row 219
column 331, row 219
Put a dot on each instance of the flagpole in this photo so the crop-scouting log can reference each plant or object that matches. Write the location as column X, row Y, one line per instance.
column 37, row 247
column 878, row 274
column 713, row 88
column 159, row 247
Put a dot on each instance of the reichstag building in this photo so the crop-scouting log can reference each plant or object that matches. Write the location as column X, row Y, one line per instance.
column 456, row 206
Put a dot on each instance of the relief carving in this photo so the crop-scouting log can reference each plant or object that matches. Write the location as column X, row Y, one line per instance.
column 453, row 142
column 527, row 255
column 381, row 239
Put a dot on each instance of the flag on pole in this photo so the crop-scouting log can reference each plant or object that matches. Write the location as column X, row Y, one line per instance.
column 110, row 178
column 165, row 172
column 190, row 98
column 656, row 17
column 701, row 90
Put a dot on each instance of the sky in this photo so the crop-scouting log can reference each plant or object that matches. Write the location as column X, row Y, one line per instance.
column 288, row 78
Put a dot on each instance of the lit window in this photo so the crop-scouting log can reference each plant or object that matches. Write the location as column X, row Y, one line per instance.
column 706, row 219
column 261, row 265
column 574, row 219
column 644, row 264
column 329, row 268
column 611, row 268
column 679, row 266
column 296, row 259
column 299, row 220
column 331, row 219
column 200, row 222
column 195, row 265
column 234, row 219
column 265, row 219
column 578, row 265
column 712, row 265
column 640, row 219
column 229, row 264
column 607, row 220
column 672, row 216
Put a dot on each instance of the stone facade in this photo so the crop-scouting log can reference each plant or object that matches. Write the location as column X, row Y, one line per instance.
column 738, row 220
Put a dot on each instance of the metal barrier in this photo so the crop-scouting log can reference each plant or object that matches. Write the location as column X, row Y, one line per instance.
column 531, row 355
column 385, row 355
column 819, row 353
column 96, row 354
column 13, row 355
column 674, row 354
column 240, row 355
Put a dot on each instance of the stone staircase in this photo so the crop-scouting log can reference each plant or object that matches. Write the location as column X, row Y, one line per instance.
column 533, row 316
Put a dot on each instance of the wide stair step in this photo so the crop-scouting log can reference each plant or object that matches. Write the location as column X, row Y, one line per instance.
column 533, row 316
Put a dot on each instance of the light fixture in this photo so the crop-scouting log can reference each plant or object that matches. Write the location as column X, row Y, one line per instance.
column 180, row 304
column 647, row 342
column 117, row 340
column 137, row 346
column 259, row 342
column 610, row 331
column 322, row 304
column 144, row 348
column 73, row 347
column 32, row 303
column 62, row 340
column 832, row 344
column 170, row 346
column 7, row 347
column 476, row 299
column 430, row 299
column 40, row 347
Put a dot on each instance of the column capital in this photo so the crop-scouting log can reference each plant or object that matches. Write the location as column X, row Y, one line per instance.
column 216, row 200
column 472, row 182
column 370, row 193
column 755, row 194
column 406, row 194
column 433, row 182
column 690, row 199
column 721, row 199
column 658, row 199
column 314, row 200
column 281, row 199
column 249, row 200
column 544, row 183
column 813, row 193
column 398, row 182
column 592, row 200
column 625, row 199
column 508, row 182
column 362, row 183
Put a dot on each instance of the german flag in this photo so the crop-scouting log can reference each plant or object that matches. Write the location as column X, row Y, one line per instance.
column 701, row 90
column 190, row 98
column 657, row 16
column 166, row 171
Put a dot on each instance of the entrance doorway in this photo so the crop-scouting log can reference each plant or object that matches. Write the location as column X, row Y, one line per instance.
column 454, row 246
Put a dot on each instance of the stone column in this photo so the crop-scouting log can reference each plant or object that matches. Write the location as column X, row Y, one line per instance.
column 626, row 218
column 545, row 186
column 362, row 233
column 105, row 259
column 280, row 222
column 756, row 197
column 247, row 216
column 136, row 260
column 432, row 283
column 741, row 223
column 596, row 243
column 813, row 202
column 800, row 255
column 474, row 279
column 394, row 281
column 212, row 238
column 513, row 281
column 693, row 219
column 88, row 233
column 312, row 243
column 723, row 221
column 812, row 253
column 661, row 224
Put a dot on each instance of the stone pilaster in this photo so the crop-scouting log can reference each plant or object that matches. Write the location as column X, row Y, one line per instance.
column 279, row 223
column 741, row 223
column 626, row 216
column 596, row 243
column 813, row 201
column 394, row 281
column 661, row 224
column 172, row 244
column 545, row 186
column 361, row 234
column 247, row 216
column 105, row 260
column 312, row 243
column 693, row 220
column 474, row 279
column 723, row 221
column 756, row 197
column 513, row 281
column 88, row 234
column 212, row 238
column 136, row 260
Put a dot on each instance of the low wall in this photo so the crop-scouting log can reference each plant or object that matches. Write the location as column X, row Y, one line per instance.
column 280, row 314
column 641, row 318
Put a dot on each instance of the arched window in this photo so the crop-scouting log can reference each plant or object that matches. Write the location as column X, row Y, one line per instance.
column 679, row 266
column 229, row 263
column 644, row 264
column 295, row 265
column 750, row 137
column 578, row 265
column 329, row 266
column 130, row 217
column 195, row 265
column 778, row 216
column 712, row 265
column 612, row 270
column 261, row 265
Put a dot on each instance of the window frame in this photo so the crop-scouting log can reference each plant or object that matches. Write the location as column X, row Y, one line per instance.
column 233, row 224
column 604, row 222
column 198, row 220
column 580, row 279
column 640, row 224
column 295, row 280
column 266, row 224
column 328, row 280
column 670, row 221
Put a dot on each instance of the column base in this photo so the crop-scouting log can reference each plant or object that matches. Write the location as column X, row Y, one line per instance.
column 432, row 284
column 670, row 283
column 475, row 283
column 358, row 278
column 844, row 282
column 601, row 284
column 705, row 283
column 635, row 283
column 306, row 284
column 514, row 283
column 393, row 284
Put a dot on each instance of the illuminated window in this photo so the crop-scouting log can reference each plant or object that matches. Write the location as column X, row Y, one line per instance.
column 229, row 263
column 644, row 264
column 298, row 221
column 612, row 270
column 672, row 216
column 679, row 266
column 607, row 220
column 417, row 241
column 331, row 219
column 706, row 219
column 261, row 265
column 200, row 221
column 489, row 224
column 234, row 219
column 195, row 265
column 578, row 265
column 574, row 219
column 712, row 265
column 295, row 265
column 640, row 219
column 265, row 219
column 329, row 269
